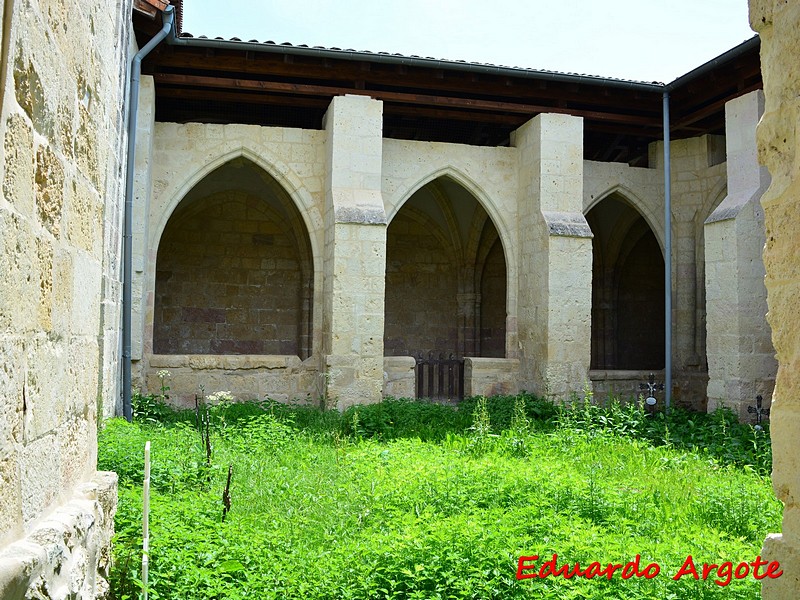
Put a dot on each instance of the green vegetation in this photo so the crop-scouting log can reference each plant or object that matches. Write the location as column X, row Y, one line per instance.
column 415, row 500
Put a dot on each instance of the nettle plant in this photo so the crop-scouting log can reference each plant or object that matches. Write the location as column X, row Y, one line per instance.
column 408, row 499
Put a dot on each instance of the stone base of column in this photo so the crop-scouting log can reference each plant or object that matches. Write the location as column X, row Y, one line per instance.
column 351, row 380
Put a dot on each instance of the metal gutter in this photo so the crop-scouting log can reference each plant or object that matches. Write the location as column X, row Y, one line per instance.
column 127, row 237
column 703, row 69
column 667, row 259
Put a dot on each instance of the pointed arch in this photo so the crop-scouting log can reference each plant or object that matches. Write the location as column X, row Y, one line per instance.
column 627, row 287
column 443, row 281
column 281, row 173
column 234, row 268
column 653, row 218
column 471, row 186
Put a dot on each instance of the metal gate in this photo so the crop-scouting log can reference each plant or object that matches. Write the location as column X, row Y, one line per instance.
column 440, row 378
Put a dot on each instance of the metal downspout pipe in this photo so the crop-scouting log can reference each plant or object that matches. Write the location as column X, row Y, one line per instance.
column 127, row 237
column 667, row 259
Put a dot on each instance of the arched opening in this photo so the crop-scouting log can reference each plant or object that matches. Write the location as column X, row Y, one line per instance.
column 627, row 289
column 445, row 276
column 234, row 272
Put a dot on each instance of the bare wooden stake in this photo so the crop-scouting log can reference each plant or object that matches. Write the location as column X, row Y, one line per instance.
column 226, row 495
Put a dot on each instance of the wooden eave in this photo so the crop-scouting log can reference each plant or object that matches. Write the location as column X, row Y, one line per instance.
column 433, row 102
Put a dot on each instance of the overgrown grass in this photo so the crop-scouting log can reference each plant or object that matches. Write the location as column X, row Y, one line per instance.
column 414, row 500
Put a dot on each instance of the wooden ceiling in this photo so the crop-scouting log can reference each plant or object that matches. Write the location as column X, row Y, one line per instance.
column 292, row 86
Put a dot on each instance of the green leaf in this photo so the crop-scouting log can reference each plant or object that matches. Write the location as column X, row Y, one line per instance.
column 230, row 566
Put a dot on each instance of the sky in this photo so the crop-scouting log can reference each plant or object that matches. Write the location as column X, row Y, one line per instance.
column 644, row 40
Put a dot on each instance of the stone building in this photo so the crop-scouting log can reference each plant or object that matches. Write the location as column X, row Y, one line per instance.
column 309, row 221
column 62, row 122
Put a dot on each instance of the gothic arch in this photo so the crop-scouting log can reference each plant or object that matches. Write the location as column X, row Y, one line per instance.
column 233, row 271
column 470, row 186
column 280, row 172
column 654, row 220
column 627, row 288
column 444, row 316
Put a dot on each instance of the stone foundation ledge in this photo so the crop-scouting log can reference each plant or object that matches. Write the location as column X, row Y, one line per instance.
column 623, row 383
column 227, row 362
column 67, row 555
column 491, row 376
column 279, row 377
column 399, row 379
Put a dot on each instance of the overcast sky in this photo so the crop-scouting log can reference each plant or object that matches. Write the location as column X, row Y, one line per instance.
column 646, row 40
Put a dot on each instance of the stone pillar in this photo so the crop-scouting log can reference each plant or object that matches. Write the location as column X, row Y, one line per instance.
column 741, row 361
column 468, row 334
column 778, row 142
column 145, row 124
column 555, row 282
column 354, row 254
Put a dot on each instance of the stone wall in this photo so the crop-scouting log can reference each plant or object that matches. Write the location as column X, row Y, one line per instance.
column 698, row 186
column 741, row 360
column 289, row 163
column 228, row 280
column 484, row 175
column 778, row 24
column 399, row 380
column 555, row 253
column 246, row 377
column 284, row 169
column 421, row 290
column 493, row 294
column 62, row 124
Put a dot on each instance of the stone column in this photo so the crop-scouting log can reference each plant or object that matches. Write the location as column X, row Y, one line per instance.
column 468, row 334
column 741, row 361
column 354, row 254
column 145, row 124
column 778, row 141
column 555, row 282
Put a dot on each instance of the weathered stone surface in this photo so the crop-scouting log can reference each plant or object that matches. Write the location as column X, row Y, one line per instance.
column 62, row 125
column 493, row 177
column 399, row 380
column 49, row 189
column 740, row 356
column 280, row 378
column 778, row 24
column 491, row 376
column 11, row 498
column 355, row 253
column 554, row 316
column 567, row 224
column 67, row 555
column 18, row 179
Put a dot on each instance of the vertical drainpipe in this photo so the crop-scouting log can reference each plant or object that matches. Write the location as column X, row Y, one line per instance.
column 667, row 259
column 127, row 237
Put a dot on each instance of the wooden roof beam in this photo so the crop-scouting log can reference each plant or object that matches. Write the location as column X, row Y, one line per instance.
column 401, row 97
